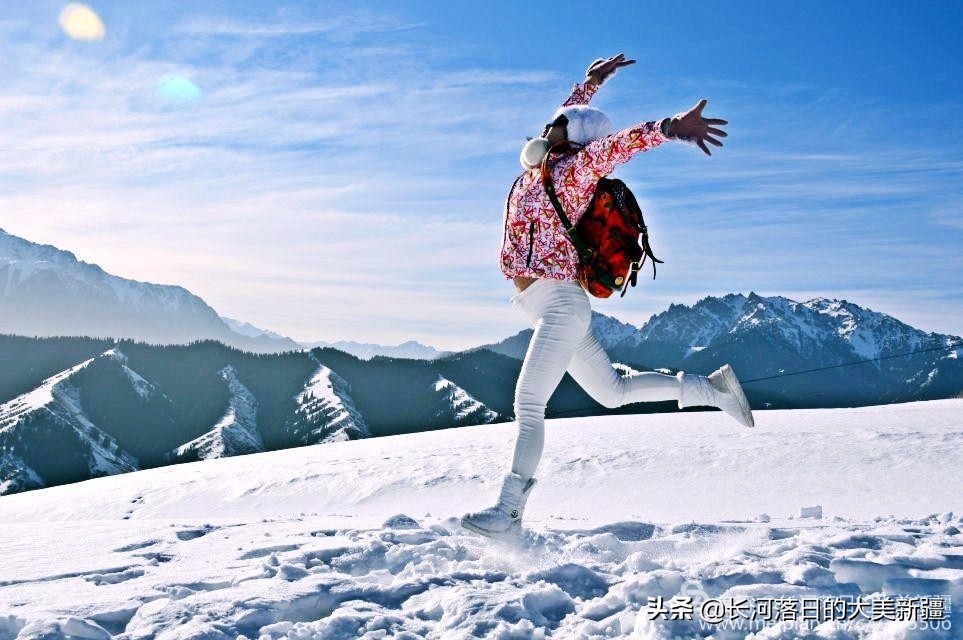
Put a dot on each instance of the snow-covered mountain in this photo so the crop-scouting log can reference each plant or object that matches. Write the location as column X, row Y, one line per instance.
column 45, row 291
column 235, row 434
column 610, row 331
column 134, row 406
column 151, row 405
column 361, row 539
column 326, row 411
column 805, row 327
column 771, row 336
column 46, row 437
column 282, row 343
column 367, row 350
column 456, row 405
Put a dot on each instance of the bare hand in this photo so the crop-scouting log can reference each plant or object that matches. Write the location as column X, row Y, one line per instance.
column 602, row 69
column 693, row 127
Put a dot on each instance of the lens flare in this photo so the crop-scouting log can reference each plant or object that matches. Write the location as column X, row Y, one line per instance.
column 80, row 22
column 178, row 89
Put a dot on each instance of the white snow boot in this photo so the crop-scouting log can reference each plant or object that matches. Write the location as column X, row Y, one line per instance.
column 506, row 516
column 721, row 390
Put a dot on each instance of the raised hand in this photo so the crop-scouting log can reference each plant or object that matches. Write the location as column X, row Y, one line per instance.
column 603, row 68
column 692, row 127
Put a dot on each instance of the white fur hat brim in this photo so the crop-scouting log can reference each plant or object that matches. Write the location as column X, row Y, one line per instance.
column 585, row 123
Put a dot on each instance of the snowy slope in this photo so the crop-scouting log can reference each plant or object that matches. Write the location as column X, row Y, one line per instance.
column 457, row 406
column 326, row 411
column 141, row 385
column 235, row 434
column 307, row 543
column 46, row 291
column 48, row 423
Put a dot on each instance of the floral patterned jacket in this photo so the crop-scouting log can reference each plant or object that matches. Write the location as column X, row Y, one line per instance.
column 534, row 243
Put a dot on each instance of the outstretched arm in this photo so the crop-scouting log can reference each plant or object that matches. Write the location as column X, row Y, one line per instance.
column 597, row 73
column 691, row 128
column 599, row 157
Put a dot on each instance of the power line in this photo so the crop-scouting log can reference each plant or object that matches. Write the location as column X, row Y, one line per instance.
column 855, row 362
column 945, row 347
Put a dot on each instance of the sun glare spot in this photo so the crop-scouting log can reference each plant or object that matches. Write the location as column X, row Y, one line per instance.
column 80, row 22
column 177, row 88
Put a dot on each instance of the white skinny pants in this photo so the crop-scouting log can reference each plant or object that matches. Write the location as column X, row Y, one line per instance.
column 563, row 341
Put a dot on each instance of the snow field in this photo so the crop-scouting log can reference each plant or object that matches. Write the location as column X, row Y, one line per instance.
column 424, row 578
column 310, row 543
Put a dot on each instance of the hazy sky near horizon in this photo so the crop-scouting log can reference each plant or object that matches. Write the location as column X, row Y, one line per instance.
column 338, row 171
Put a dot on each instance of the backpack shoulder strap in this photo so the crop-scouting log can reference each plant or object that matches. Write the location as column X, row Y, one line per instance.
column 573, row 235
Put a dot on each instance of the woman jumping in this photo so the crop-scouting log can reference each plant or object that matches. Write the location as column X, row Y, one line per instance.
column 541, row 261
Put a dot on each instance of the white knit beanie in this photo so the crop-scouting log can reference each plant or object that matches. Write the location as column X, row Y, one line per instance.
column 585, row 123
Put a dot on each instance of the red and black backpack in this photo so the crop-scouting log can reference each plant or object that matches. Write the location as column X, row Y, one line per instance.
column 611, row 238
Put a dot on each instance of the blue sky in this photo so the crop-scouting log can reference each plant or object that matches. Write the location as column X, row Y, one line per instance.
column 341, row 171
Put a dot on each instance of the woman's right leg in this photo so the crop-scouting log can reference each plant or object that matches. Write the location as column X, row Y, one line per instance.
column 560, row 313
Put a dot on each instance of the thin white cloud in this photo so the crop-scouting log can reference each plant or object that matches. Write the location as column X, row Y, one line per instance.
column 347, row 24
column 324, row 205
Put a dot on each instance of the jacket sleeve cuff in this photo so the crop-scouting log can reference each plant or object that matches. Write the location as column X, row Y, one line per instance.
column 664, row 125
column 582, row 93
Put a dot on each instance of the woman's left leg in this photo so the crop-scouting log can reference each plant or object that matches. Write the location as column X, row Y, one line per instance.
column 592, row 369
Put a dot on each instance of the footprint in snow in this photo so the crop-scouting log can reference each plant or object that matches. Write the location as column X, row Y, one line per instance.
column 134, row 546
column 115, row 577
column 191, row 534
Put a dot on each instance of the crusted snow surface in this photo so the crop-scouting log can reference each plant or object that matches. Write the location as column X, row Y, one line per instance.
column 326, row 406
column 463, row 406
column 236, row 433
column 360, row 539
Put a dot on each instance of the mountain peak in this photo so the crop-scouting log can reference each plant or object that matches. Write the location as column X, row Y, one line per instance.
column 412, row 349
column 16, row 248
column 841, row 329
column 54, row 293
